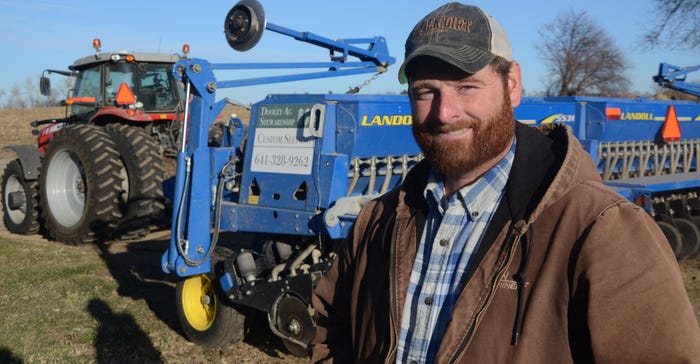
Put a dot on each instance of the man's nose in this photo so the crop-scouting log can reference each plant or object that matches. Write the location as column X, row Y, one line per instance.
column 446, row 108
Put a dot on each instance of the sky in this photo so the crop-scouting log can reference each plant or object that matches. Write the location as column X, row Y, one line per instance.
column 50, row 34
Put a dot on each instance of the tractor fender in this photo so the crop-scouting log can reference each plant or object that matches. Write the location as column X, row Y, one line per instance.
column 29, row 159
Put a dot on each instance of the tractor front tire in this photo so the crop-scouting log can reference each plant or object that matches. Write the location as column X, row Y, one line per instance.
column 204, row 317
column 20, row 201
column 80, row 184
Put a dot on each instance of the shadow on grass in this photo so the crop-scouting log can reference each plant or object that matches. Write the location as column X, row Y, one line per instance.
column 110, row 342
column 6, row 356
column 135, row 266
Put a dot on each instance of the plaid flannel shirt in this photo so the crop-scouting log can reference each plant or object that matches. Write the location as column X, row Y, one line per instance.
column 453, row 230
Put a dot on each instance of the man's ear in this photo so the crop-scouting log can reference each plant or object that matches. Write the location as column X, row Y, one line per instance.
column 515, row 84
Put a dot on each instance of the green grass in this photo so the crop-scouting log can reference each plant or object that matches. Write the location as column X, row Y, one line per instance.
column 49, row 300
column 94, row 304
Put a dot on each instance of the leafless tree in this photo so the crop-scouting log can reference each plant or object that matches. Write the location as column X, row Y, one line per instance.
column 31, row 96
column 15, row 99
column 582, row 57
column 28, row 95
column 675, row 25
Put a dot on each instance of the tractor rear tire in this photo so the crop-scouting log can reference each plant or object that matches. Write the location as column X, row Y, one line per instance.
column 20, row 201
column 80, row 185
column 141, row 200
column 204, row 316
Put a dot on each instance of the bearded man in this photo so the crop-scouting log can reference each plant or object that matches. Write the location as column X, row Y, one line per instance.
column 503, row 245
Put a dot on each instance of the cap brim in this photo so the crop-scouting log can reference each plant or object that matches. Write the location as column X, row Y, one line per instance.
column 468, row 59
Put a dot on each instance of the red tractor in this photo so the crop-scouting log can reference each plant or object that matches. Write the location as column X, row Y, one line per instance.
column 98, row 172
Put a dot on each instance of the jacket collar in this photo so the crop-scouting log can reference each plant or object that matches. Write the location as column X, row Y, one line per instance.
column 538, row 158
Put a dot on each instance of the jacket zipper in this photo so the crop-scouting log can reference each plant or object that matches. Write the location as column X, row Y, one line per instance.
column 499, row 275
column 520, row 278
column 391, row 355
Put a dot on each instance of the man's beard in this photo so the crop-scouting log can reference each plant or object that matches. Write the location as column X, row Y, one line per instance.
column 490, row 138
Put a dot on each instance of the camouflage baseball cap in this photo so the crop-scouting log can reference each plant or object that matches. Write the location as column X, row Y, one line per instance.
column 461, row 35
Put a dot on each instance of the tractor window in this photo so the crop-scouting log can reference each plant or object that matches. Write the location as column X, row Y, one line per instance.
column 115, row 75
column 86, row 85
column 157, row 88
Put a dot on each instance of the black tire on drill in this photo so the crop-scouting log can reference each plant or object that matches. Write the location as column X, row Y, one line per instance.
column 691, row 237
column 673, row 235
column 20, row 201
column 204, row 316
column 80, row 183
column 696, row 221
column 141, row 200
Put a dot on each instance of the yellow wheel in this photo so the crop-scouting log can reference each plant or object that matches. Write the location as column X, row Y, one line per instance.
column 199, row 302
column 206, row 318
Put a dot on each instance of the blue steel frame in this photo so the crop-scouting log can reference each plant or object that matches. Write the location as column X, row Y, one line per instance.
column 193, row 199
column 373, row 59
column 674, row 77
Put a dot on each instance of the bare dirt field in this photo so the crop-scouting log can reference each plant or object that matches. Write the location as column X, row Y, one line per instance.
column 135, row 266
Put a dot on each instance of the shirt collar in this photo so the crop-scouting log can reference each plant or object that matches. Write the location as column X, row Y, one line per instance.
column 470, row 196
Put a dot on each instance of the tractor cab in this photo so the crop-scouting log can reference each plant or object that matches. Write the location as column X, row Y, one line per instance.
column 130, row 85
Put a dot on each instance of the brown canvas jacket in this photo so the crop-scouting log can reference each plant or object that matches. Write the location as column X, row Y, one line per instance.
column 568, row 271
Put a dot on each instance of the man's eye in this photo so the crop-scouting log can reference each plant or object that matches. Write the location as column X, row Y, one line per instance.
column 465, row 88
column 423, row 95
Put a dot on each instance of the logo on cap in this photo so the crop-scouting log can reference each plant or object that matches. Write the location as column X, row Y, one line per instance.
column 445, row 23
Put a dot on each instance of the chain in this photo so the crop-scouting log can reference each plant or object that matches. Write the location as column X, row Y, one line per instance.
column 356, row 89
